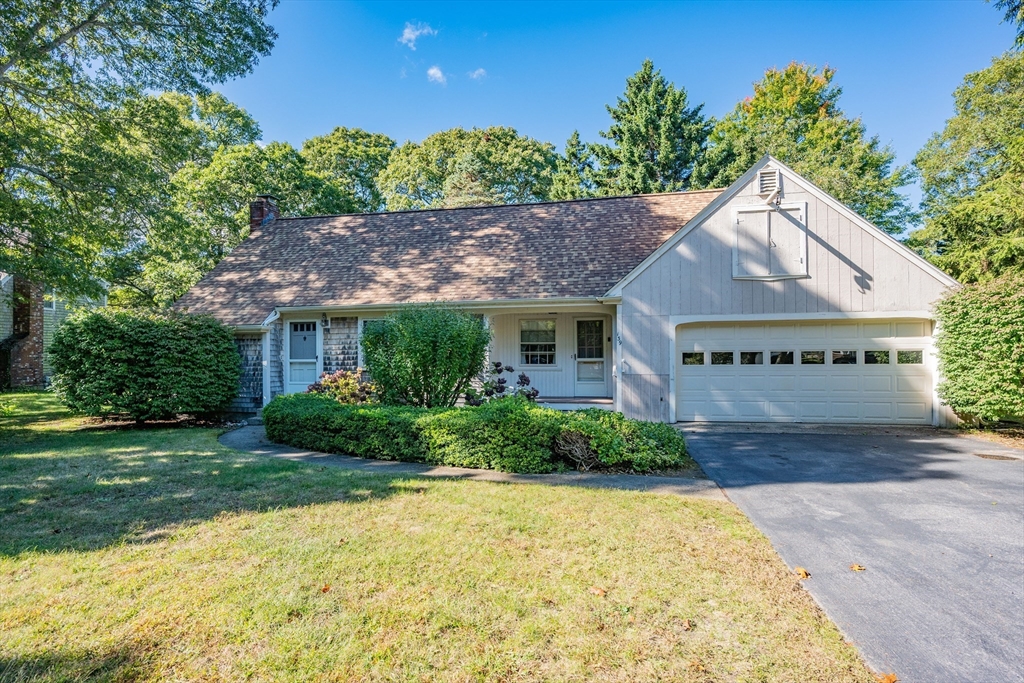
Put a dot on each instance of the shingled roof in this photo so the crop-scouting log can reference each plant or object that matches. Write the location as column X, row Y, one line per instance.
column 548, row 250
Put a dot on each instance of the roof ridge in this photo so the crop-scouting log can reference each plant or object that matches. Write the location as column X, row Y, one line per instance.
column 505, row 206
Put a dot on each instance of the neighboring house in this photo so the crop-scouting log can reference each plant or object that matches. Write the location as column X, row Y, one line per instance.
column 29, row 316
column 767, row 301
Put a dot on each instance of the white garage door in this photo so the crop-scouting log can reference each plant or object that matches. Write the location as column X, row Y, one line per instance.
column 867, row 371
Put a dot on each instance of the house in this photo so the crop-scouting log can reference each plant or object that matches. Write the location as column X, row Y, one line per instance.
column 29, row 316
column 767, row 301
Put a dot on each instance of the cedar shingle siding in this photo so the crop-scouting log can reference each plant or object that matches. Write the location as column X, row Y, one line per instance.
column 341, row 345
column 250, row 386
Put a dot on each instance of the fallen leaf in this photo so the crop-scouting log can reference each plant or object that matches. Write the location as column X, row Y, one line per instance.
column 857, row 567
column 326, row 588
column 696, row 665
column 887, row 678
column 631, row 619
column 802, row 573
column 687, row 625
column 599, row 592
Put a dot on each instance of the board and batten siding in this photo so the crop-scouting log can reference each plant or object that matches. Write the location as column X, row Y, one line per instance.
column 849, row 271
column 553, row 381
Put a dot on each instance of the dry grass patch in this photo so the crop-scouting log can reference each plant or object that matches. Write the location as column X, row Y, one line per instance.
column 153, row 555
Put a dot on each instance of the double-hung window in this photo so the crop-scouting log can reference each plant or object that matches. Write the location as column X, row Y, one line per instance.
column 536, row 342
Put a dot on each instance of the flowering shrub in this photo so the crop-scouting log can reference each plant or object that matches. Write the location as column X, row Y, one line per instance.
column 345, row 387
column 496, row 386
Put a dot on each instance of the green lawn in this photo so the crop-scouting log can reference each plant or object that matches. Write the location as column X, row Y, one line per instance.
column 159, row 554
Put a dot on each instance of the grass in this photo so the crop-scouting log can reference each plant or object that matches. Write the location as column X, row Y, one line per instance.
column 159, row 554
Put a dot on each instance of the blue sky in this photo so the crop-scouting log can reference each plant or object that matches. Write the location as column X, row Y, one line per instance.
column 547, row 68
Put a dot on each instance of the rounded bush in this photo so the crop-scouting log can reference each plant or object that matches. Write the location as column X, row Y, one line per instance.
column 980, row 346
column 147, row 366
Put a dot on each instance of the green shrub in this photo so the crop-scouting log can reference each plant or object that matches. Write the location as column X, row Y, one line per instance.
column 345, row 387
column 510, row 434
column 147, row 366
column 980, row 346
column 425, row 355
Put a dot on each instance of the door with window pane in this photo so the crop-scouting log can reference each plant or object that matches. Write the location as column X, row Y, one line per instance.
column 589, row 358
column 302, row 356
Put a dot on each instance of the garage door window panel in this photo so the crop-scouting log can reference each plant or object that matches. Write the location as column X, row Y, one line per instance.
column 812, row 358
column 693, row 358
column 751, row 358
column 844, row 358
column 722, row 357
column 876, row 358
column 910, row 357
column 782, row 357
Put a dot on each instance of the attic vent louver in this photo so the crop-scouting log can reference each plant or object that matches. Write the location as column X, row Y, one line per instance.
column 767, row 182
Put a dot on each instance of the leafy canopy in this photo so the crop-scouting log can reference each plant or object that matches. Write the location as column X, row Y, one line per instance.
column 972, row 177
column 513, row 168
column 209, row 216
column 655, row 137
column 794, row 115
column 78, row 177
column 351, row 159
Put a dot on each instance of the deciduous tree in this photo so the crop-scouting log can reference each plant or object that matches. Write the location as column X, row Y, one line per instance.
column 72, row 180
column 794, row 115
column 515, row 168
column 352, row 159
column 972, row 177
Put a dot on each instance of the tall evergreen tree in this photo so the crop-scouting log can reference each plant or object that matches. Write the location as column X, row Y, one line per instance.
column 655, row 137
column 574, row 171
column 1013, row 12
column 794, row 116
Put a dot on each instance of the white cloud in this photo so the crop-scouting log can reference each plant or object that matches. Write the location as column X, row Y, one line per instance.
column 478, row 74
column 435, row 75
column 414, row 31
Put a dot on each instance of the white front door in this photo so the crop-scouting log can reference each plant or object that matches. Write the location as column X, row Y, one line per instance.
column 872, row 371
column 302, row 356
column 590, row 361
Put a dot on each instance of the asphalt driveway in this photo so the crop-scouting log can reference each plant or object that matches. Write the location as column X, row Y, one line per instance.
column 939, row 530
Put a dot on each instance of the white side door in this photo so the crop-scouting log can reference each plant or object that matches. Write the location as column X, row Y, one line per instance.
column 303, row 356
column 590, row 357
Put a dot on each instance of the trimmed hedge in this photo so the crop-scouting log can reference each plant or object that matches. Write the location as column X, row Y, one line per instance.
column 144, row 365
column 980, row 345
column 512, row 435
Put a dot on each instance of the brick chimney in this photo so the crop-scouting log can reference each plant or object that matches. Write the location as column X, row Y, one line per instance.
column 27, row 353
column 262, row 211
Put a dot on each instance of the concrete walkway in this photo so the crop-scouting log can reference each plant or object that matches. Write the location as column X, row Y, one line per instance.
column 254, row 440
column 937, row 520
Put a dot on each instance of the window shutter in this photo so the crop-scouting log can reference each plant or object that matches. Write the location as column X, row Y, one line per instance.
column 751, row 255
column 786, row 242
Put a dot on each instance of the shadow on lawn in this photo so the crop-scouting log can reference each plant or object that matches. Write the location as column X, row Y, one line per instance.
column 125, row 662
column 88, row 490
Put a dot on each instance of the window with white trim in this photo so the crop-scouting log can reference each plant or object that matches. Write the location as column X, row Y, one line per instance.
column 50, row 299
column 537, row 342
column 770, row 242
